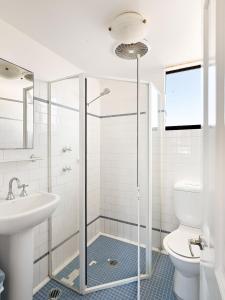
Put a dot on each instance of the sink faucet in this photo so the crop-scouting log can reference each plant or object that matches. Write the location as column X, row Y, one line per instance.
column 10, row 195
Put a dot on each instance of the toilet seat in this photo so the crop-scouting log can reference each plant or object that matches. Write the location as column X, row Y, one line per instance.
column 177, row 243
column 187, row 268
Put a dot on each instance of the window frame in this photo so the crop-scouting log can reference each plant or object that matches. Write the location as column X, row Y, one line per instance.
column 190, row 126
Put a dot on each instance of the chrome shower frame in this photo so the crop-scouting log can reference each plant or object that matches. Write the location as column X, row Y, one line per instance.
column 82, row 186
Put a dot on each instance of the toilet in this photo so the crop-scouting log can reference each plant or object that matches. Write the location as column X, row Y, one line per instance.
column 188, row 210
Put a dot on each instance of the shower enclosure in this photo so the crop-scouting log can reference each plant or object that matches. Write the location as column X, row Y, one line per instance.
column 100, row 155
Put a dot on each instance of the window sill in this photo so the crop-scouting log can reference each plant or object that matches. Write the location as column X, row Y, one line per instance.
column 183, row 127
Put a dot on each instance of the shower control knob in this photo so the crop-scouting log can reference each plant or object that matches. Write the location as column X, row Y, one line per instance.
column 67, row 169
column 66, row 149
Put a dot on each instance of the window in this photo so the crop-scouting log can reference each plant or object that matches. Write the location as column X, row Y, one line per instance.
column 184, row 98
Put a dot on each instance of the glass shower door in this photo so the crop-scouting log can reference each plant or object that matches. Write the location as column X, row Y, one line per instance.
column 156, row 129
column 111, row 183
column 64, row 180
column 150, row 132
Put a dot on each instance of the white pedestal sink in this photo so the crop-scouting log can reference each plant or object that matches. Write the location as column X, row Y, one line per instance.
column 17, row 219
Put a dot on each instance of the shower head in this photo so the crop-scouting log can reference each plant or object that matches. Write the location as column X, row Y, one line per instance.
column 106, row 91
column 131, row 51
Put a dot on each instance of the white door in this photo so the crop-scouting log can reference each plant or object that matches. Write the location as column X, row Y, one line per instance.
column 212, row 267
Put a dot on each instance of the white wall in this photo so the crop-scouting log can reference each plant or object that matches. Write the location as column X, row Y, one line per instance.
column 157, row 77
column 20, row 49
column 119, row 159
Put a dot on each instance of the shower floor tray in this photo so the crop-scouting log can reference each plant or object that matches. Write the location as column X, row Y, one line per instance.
column 109, row 259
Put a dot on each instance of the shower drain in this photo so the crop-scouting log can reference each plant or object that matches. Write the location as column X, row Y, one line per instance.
column 112, row 262
column 54, row 294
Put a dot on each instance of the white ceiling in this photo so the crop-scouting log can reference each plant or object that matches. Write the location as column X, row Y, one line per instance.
column 77, row 30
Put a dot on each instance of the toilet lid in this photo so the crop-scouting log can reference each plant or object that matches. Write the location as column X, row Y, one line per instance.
column 178, row 243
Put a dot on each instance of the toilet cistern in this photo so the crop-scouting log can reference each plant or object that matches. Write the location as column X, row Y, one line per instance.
column 185, row 243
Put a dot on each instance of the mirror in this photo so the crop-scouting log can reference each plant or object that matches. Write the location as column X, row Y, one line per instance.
column 16, row 106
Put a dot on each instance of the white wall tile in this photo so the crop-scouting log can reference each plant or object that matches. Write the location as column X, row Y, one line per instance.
column 182, row 160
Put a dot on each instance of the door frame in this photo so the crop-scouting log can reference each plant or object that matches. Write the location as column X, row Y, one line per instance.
column 212, row 259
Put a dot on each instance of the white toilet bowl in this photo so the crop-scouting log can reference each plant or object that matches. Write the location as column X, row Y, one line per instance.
column 187, row 266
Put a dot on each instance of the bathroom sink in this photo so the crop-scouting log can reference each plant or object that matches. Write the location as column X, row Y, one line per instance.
column 17, row 219
column 27, row 212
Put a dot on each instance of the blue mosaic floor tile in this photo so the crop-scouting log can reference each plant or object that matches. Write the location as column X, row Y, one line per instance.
column 124, row 292
column 158, row 287
column 164, row 268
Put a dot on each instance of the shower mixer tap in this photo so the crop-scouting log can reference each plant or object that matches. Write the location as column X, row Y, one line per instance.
column 67, row 169
column 65, row 149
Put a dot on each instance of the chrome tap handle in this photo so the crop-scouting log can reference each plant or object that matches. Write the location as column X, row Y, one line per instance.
column 23, row 192
column 66, row 169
